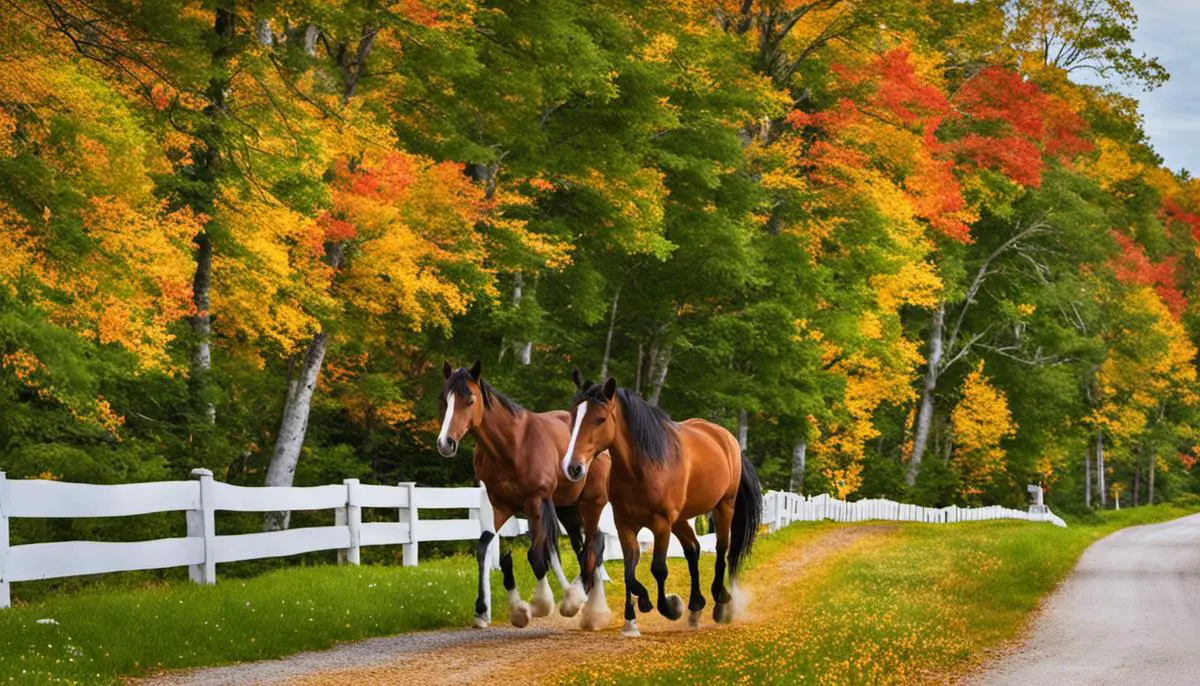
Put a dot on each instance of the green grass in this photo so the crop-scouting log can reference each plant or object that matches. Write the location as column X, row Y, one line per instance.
column 894, row 600
column 100, row 635
column 898, row 607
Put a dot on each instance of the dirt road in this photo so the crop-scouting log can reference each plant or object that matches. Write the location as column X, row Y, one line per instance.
column 496, row 654
column 1129, row 613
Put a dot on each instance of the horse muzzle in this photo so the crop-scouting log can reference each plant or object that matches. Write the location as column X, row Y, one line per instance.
column 574, row 471
column 447, row 447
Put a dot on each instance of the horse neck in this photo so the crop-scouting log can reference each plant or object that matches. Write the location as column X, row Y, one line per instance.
column 497, row 433
column 623, row 450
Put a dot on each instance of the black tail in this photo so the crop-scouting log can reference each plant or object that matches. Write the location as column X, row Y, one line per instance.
column 747, row 513
column 549, row 526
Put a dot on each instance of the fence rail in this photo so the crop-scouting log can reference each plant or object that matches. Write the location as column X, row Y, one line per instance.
column 202, row 549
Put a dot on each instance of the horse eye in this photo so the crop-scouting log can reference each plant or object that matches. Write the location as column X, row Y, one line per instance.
column 471, row 401
column 599, row 421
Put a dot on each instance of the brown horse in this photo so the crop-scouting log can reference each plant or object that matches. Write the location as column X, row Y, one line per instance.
column 664, row 473
column 516, row 457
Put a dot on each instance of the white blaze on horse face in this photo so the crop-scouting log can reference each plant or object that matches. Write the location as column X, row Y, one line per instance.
column 579, row 412
column 449, row 417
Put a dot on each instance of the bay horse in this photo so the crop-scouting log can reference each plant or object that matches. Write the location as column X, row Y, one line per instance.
column 516, row 457
column 662, row 474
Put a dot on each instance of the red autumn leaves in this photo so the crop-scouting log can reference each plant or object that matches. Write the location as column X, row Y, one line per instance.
column 996, row 121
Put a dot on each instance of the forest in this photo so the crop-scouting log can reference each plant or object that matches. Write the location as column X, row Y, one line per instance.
column 920, row 249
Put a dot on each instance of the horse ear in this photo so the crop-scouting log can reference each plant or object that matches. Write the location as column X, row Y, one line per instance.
column 609, row 389
column 447, row 370
column 575, row 377
column 475, row 370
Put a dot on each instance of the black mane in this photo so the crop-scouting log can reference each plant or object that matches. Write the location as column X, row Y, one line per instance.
column 458, row 383
column 654, row 434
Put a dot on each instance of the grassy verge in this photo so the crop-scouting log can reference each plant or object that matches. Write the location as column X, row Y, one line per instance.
column 100, row 635
column 903, row 607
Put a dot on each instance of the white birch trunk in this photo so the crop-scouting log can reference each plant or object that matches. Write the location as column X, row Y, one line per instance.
column 660, row 362
column 799, row 459
column 202, row 322
column 925, row 414
column 612, row 324
column 523, row 349
column 290, row 439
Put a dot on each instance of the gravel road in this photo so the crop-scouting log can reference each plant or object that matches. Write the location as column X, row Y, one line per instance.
column 1128, row 614
column 502, row 654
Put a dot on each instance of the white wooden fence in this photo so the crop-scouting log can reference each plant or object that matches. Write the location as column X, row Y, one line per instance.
column 202, row 549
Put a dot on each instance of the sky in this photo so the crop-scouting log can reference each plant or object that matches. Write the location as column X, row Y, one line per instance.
column 1170, row 30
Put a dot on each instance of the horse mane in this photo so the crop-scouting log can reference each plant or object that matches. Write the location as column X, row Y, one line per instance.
column 459, row 385
column 655, row 435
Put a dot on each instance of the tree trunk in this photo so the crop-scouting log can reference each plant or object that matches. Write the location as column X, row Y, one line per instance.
column 290, row 439
column 202, row 325
column 925, row 414
column 1087, row 477
column 1137, row 480
column 660, row 361
column 799, row 458
column 612, row 324
column 637, row 384
column 523, row 349
column 1152, row 468
column 263, row 33
column 207, row 168
column 743, row 430
column 1101, row 487
column 311, row 32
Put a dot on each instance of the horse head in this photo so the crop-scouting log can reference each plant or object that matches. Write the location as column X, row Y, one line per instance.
column 462, row 406
column 593, row 425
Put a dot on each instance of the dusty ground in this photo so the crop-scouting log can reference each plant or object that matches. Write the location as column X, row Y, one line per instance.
column 466, row 656
column 1129, row 613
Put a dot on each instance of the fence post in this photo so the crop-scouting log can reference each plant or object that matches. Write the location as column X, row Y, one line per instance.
column 410, row 516
column 5, row 591
column 350, row 516
column 202, row 524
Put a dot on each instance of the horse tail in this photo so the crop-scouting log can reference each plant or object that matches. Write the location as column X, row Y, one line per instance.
column 549, row 524
column 747, row 514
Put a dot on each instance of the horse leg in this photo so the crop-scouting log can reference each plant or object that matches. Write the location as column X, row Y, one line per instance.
column 723, row 522
column 518, row 610
column 483, row 601
column 631, row 553
column 669, row 606
column 691, row 550
column 573, row 592
column 596, row 614
column 542, row 601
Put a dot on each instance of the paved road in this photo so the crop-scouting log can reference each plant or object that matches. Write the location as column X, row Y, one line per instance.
column 1128, row 614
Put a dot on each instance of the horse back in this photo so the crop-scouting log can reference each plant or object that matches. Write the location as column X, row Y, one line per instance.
column 713, row 462
column 713, row 437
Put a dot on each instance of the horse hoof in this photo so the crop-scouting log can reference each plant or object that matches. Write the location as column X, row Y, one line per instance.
column 672, row 609
column 572, row 600
column 595, row 621
column 481, row 622
column 644, row 604
column 630, row 629
column 722, row 613
column 541, row 607
column 518, row 615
